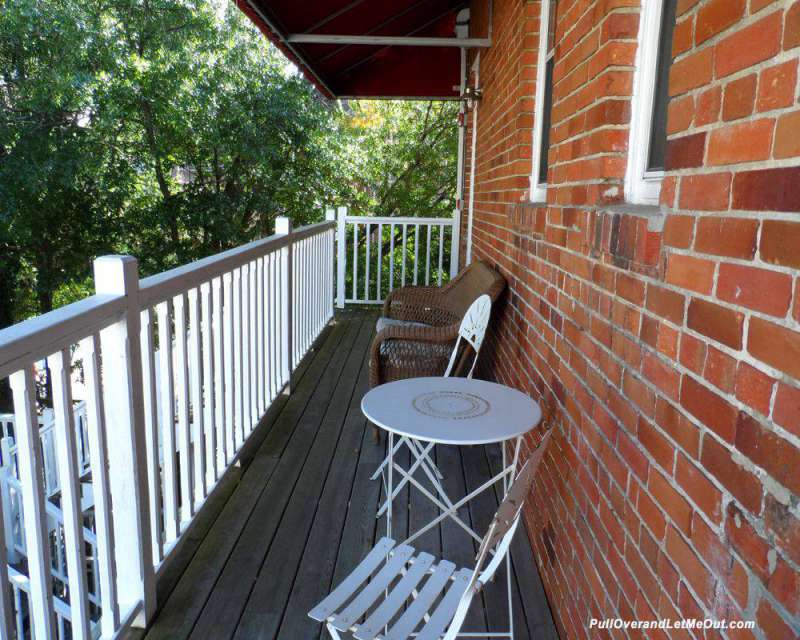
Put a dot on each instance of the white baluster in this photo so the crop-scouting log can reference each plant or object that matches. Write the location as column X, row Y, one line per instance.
column 341, row 246
column 331, row 262
column 9, row 554
column 269, row 310
column 277, row 319
column 391, row 257
column 416, row 253
column 11, row 512
column 221, row 416
column 20, row 619
column 168, row 448
column 209, row 380
column 182, row 395
column 366, row 270
column 304, row 293
column 95, row 416
column 283, row 226
column 428, row 255
column 196, row 395
column 230, row 395
column 301, row 287
column 238, row 391
column 380, row 263
column 441, row 252
column 355, row 261
column 260, row 345
column 67, row 459
column 150, row 425
column 403, row 259
column 245, row 341
column 29, row 463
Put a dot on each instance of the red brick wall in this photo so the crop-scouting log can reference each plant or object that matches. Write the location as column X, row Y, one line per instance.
column 669, row 342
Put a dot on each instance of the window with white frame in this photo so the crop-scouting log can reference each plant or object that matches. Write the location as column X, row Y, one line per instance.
column 544, row 99
column 648, row 135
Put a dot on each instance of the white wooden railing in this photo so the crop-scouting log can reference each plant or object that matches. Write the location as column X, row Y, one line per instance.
column 221, row 338
column 8, row 455
column 377, row 254
column 21, row 590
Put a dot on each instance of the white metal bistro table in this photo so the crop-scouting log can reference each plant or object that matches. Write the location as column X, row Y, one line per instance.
column 425, row 412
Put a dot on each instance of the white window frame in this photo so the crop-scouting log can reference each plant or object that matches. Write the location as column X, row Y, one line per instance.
column 643, row 186
column 538, row 192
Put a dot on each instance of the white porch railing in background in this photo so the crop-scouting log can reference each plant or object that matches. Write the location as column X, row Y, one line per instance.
column 222, row 337
column 377, row 254
column 8, row 458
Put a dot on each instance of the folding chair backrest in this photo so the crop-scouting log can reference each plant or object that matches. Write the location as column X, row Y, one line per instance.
column 500, row 533
column 472, row 331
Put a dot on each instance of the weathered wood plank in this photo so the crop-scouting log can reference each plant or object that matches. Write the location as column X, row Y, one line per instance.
column 229, row 596
column 360, row 528
column 265, row 606
column 314, row 575
column 482, row 508
column 495, row 594
column 457, row 546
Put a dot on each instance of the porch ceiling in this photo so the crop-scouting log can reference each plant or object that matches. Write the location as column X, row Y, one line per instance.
column 372, row 70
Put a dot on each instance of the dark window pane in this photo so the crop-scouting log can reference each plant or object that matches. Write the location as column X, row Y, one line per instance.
column 548, row 106
column 658, row 127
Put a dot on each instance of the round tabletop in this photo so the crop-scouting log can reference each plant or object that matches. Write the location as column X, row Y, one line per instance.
column 457, row 411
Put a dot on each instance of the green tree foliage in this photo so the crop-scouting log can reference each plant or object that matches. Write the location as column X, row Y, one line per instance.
column 401, row 156
column 171, row 129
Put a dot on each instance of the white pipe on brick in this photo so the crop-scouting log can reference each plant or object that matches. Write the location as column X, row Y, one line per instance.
column 461, row 31
column 476, row 68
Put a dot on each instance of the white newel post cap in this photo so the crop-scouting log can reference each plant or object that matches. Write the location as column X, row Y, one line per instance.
column 116, row 274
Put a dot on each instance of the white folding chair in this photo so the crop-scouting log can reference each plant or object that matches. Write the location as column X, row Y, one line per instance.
column 389, row 577
column 472, row 331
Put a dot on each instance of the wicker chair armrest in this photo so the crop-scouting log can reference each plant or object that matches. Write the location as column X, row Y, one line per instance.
column 406, row 303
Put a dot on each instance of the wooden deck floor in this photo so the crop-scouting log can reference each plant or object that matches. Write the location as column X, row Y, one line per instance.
column 301, row 513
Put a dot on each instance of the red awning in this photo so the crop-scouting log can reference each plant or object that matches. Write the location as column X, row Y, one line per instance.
column 346, row 47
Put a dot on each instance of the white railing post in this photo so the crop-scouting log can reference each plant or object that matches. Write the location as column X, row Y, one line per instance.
column 455, row 242
column 283, row 226
column 127, row 459
column 340, row 258
column 330, row 216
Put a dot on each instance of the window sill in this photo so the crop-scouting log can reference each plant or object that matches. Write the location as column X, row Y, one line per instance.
column 654, row 213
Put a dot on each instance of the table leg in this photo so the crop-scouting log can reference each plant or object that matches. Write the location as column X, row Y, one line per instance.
column 406, row 477
column 389, row 473
column 383, row 464
column 507, row 482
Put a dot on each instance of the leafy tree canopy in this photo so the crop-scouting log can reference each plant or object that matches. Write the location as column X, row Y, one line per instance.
column 171, row 129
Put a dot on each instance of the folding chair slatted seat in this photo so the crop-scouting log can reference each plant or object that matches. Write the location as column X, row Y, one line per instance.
column 438, row 594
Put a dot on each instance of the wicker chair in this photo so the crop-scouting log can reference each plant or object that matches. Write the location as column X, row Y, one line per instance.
column 423, row 349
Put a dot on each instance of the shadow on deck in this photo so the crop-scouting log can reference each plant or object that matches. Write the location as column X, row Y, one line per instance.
column 299, row 514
